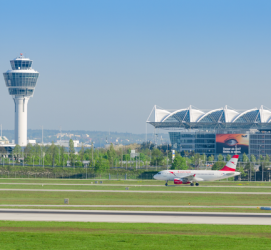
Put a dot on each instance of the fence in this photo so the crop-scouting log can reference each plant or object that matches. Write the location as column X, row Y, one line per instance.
column 251, row 172
column 48, row 175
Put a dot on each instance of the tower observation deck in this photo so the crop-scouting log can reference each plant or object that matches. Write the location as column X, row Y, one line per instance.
column 21, row 82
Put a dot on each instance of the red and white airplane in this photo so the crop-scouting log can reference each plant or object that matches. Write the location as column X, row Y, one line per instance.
column 194, row 176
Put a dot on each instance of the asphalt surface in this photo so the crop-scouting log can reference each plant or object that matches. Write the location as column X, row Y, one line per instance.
column 135, row 217
column 130, row 191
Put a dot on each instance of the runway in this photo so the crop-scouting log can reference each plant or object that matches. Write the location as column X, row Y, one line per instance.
column 131, row 191
column 135, row 217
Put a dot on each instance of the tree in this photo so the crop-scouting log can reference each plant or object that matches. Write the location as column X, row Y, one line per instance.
column 28, row 154
column 179, row 163
column 17, row 152
column 156, row 157
column 204, row 158
column 228, row 157
column 82, row 152
column 102, row 165
column 220, row 157
column 37, row 153
column 62, row 152
column 197, row 159
column 211, row 158
column 245, row 158
column 218, row 165
column 252, row 158
column 111, row 154
column 53, row 153
column 71, row 152
column 92, row 154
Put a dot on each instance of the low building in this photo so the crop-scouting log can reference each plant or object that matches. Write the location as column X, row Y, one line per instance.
column 65, row 143
column 4, row 140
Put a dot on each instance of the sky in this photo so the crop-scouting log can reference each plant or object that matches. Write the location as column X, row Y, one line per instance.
column 104, row 64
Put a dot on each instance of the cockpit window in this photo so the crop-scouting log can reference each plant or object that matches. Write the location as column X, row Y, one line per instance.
column 159, row 173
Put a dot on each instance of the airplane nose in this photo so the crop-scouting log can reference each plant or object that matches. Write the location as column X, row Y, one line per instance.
column 155, row 176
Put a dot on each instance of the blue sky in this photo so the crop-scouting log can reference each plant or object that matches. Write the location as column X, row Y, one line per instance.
column 104, row 64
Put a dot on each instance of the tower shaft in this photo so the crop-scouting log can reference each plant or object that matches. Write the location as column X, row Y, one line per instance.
column 21, row 120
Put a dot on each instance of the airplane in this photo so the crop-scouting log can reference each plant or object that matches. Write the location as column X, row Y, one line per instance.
column 195, row 176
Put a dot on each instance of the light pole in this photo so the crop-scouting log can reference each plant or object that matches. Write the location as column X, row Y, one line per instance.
column 86, row 171
column 122, row 156
column 23, row 156
column 167, row 156
column 259, row 151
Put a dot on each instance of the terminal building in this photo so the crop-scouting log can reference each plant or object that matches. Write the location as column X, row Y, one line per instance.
column 219, row 131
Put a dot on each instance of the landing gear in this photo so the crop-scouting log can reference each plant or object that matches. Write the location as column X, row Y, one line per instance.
column 166, row 184
column 191, row 184
column 197, row 184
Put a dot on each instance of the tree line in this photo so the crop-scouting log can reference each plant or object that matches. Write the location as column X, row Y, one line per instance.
column 102, row 159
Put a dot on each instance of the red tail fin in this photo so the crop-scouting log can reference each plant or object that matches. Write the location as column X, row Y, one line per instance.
column 231, row 164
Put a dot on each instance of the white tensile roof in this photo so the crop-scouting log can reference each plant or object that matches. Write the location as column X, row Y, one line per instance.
column 196, row 115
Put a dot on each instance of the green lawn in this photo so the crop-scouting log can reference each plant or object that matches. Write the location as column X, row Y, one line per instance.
column 67, row 235
column 131, row 182
column 127, row 198
column 166, row 209
column 136, row 187
column 106, row 198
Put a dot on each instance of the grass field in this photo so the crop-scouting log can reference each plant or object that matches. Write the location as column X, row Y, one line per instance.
column 136, row 187
column 169, row 209
column 67, row 235
column 105, row 198
column 131, row 182
column 127, row 198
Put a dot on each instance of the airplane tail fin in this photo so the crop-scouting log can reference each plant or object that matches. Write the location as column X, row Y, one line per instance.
column 231, row 164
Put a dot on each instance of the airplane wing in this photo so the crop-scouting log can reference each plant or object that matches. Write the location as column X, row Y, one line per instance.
column 188, row 178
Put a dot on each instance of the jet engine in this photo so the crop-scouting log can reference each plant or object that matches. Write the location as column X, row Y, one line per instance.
column 180, row 181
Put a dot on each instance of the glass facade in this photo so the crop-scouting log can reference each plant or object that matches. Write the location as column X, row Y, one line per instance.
column 20, row 64
column 249, row 117
column 202, row 143
column 24, row 92
column 215, row 116
column 182, row 116
column 21, row 79
column 205, row 143
column 260, row 144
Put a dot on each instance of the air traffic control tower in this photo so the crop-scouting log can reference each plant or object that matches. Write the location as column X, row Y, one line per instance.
column 21, row 82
